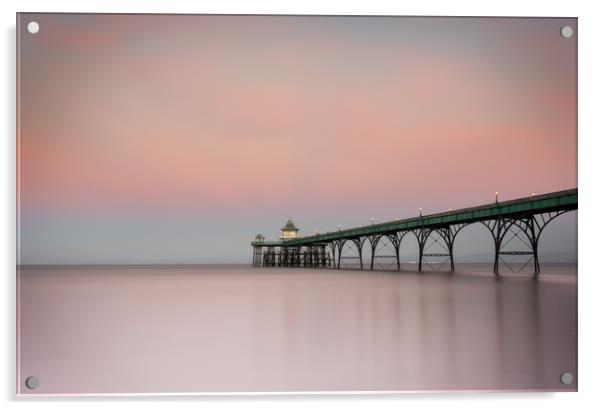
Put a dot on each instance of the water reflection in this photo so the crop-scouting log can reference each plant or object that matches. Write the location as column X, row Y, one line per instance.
column 99, row 330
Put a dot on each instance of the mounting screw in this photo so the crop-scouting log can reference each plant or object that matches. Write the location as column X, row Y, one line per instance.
column 566, row 378
column 33, row 27
column 32, row 382
column 566, row 31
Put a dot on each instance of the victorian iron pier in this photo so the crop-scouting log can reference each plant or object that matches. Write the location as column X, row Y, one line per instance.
column 377, row 246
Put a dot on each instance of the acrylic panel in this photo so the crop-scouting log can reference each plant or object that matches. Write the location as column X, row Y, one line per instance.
column 263, row 203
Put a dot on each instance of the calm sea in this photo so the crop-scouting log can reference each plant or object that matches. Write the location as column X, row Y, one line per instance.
column 234, row 328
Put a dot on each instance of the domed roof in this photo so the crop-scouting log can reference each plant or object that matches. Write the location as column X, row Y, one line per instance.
column 290, row 226
column 259, row 237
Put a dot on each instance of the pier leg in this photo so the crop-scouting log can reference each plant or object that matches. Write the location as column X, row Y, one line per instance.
column 332, row 260
column 358, row 244
column 498, row 228
column 499, row 236
column 257, row 257
column 534, row 239
column 373, row 242
column 448, row 234
column 496, row 261
column 421, row 235
column 398, row 238
column 533, row 226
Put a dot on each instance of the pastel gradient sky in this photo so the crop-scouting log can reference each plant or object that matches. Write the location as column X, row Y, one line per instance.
column 175, row 139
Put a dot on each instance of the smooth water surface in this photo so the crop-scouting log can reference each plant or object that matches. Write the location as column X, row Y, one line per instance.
column 235, row 328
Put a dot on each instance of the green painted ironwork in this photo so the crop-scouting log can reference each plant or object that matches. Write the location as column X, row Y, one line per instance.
column 536, row 204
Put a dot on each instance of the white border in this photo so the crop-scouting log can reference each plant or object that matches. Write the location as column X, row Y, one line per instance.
column 590, row 132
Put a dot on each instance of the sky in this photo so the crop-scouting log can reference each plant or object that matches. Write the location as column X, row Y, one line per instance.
column 176, row 139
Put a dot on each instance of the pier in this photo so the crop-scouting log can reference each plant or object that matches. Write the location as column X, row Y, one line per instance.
column 342, row 248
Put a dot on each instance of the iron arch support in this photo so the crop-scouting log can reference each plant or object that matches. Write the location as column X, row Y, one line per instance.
column 392, row 238
column 532, row 226
column 448, row 234
column 357, row 242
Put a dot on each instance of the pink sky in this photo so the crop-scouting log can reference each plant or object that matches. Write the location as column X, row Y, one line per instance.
column 232, row 119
